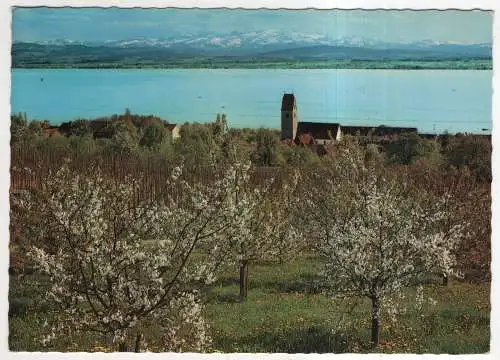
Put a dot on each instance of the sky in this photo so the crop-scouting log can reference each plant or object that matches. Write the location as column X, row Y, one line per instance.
column 98, row 24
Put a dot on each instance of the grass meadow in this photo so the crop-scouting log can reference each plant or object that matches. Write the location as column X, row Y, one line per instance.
column 288, row 311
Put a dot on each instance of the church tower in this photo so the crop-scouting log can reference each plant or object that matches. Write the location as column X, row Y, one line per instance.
column 288, row 117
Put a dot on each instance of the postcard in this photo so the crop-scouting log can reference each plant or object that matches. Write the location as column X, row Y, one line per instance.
column 218, row 180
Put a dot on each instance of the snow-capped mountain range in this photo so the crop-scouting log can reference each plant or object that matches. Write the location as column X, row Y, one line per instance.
column 256, row 40
column 268, row 45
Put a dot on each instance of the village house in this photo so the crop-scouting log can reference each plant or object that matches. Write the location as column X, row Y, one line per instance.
column 173, row 132
column 378, row 133
column 51, row 131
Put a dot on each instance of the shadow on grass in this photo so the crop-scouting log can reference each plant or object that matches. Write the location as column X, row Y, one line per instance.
column 464, row 318
column 226, row 281
column 225, row 298
column 19, row 306
column 314, row 339
column 308, row 283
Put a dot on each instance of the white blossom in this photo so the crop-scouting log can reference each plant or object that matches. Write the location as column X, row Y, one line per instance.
column 375, row 235
column 117, row 263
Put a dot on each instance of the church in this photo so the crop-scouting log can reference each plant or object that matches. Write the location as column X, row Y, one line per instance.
column 308, row 133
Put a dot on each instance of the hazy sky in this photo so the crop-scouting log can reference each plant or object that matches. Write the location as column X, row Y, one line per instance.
column 95, row 24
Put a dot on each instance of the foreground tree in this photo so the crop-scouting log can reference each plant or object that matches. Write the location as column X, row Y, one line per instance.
column 261, row 228
column 250, row 236
column 372, row 230
column 286, row 237
column 118, row 263
column 469, row 202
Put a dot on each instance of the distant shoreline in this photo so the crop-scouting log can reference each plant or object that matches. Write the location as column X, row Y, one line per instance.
column 479, row 64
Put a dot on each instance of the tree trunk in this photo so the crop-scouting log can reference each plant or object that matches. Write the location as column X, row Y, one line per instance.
column 375, row 320
column 243, row 280
column 122, row 347
column 445, row 280
column 246, row 279
column 138, row 342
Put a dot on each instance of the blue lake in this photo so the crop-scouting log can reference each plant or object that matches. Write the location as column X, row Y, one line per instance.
column 431, row 100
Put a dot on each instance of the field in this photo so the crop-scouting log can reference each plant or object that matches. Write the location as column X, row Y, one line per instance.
column 287, row 310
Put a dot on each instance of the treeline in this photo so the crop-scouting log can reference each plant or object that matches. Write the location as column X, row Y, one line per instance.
column 458, row 64
column 120, row 134
column 146, row 137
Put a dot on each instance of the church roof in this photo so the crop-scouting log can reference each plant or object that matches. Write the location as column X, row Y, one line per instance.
column 323, row 131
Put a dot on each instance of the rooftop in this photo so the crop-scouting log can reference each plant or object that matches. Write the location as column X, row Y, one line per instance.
column 318, row 130
column 376, row 130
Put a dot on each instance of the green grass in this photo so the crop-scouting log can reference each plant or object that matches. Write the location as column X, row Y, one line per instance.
column 287, row 311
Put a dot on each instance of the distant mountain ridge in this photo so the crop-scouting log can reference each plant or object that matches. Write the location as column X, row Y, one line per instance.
column 256, row 39
column 268, row 44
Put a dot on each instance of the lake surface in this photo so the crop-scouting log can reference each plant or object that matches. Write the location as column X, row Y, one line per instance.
column 431, row 100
